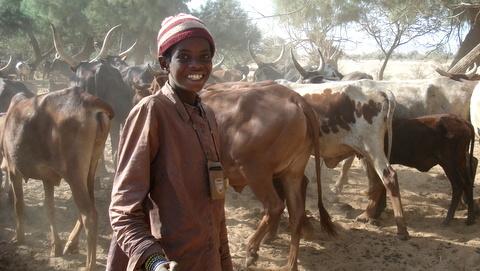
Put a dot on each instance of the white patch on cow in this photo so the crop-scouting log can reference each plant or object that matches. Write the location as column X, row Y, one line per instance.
column 475, row 109
column 2, row 84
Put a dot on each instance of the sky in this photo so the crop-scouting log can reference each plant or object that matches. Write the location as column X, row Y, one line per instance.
column 259, row 8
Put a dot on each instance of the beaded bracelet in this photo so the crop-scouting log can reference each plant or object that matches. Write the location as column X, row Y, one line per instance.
column 153, row 261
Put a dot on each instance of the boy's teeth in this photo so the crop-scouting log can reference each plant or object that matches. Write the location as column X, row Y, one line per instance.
column 195, row 76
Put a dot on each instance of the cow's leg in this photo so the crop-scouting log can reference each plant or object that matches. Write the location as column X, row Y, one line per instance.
column 16, row 182
column 460, row 182
column 377, row 197
column 50, row 209
column 295, row 199
column 272, row 233
column 84, row 200
column 390, row 181
column 114, row 138
column 343, row 179
column 262, row 187
column 307, row 227
column 455, row 180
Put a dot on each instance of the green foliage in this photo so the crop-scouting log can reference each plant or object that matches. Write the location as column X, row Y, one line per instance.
column 231, row 29
column 74, row 20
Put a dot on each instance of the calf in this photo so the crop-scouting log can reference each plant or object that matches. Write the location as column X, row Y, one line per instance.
column 424, row 142
column 53, row 136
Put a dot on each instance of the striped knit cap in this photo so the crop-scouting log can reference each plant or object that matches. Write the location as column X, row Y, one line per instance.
column 179, row 27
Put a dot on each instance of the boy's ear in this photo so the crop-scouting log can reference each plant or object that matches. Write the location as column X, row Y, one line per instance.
column 163, row 62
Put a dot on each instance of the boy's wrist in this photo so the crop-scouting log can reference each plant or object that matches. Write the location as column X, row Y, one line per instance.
column 153, row 261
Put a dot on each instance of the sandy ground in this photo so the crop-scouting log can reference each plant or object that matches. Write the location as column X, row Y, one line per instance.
column 359, row 246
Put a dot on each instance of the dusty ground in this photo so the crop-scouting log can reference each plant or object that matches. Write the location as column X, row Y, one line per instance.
column 358, row 247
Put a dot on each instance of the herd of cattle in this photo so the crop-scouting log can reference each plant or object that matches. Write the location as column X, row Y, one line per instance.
column 268, row 130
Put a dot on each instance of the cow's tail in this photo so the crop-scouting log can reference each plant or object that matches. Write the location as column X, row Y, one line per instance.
column 312, row 122
column 389, row 118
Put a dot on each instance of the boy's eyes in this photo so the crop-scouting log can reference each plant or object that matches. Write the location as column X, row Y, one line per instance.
column 186, row 58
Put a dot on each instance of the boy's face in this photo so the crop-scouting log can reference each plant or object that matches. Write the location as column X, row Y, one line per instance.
column 190, row 64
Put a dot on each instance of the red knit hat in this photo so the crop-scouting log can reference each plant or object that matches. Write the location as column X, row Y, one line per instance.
column 179, row 27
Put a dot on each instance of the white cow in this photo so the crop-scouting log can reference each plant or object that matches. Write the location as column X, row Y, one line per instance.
column 475, row 109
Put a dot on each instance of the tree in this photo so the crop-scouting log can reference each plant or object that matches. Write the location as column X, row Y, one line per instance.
column 464, row 16
column 140, row 19
column 322, row 24
column 14, row 21
column 390, row 23
column 231, row 28
column 393, row 23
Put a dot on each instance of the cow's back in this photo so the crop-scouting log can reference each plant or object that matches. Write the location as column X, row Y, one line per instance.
column 42, row 134
column 258, row 122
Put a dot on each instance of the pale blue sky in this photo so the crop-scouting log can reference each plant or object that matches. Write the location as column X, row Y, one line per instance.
column 258, row 8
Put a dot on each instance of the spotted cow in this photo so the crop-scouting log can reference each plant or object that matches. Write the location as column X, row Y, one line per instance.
column 417, row 98
column 353, row 120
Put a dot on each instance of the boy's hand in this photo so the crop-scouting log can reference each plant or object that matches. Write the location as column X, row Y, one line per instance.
column 166, row 266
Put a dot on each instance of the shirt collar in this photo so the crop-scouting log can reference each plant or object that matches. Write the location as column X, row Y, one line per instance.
column 168, row 91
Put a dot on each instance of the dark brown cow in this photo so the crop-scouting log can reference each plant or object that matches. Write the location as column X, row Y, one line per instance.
column 8, row 89
column 267, row 133
column 53, row 136
column 424, row 142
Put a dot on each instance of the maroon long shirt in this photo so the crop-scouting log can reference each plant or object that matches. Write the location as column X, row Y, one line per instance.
column 160, row 196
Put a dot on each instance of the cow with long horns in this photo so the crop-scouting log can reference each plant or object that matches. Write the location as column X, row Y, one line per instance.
column 101, row 77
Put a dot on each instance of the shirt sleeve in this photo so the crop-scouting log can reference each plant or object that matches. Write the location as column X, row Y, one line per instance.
column 138, row 146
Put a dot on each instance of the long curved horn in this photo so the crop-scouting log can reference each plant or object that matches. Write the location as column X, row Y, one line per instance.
column 6, row 66
column 60, row 51
column 471, row 72
column 467, row 60
column 252, row 55
column 297, row 65
column 107, row 43
column 321, row 63
column 281, row 55
column 216, row 66
column 126, row 52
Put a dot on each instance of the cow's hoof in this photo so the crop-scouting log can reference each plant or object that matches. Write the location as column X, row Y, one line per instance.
column 446, row 222
column 18, row 240
column 363, row 217
column 470, row 221
column 337, row 189
column 56, row 251
column 251, row 259
column 70, row 248
column 403, row 236
column 269, row 238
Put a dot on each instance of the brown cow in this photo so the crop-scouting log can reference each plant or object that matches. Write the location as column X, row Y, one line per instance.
column 267, row 133
column 424, row 142
column 53, row 136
